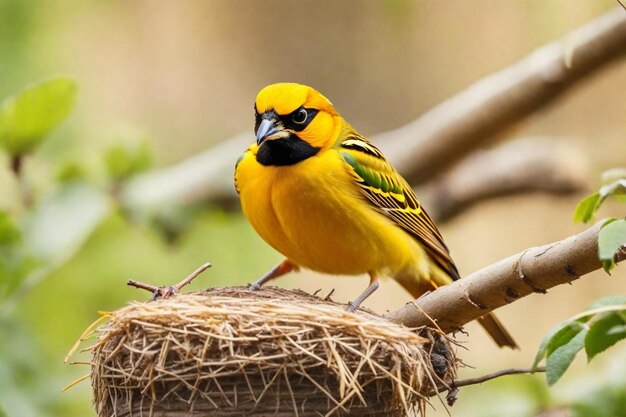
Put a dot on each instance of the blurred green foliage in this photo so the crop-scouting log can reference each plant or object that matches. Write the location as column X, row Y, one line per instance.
column 123, row 160
column 608, row 400
column 597, row 392
column 74, row 233
column 70, row 171
column 27, row 118
column 518, row 396
column 9, row 232
column 16, row 28
column 16, row 262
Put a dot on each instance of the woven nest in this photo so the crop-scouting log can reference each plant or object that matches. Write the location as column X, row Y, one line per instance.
column 233, row 352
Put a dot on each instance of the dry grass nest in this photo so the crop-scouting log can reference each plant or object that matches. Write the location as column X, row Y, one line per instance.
column 273, row 352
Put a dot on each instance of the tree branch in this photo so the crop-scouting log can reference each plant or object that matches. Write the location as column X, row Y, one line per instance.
column 473, row 117
column 533, row 270
column 207, row 176
column 434, row 141
column 521, row 166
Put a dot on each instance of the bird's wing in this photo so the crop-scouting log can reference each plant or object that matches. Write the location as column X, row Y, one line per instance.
column 389, row 193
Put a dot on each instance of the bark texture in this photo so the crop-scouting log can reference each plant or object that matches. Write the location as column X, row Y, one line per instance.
column 534, row 270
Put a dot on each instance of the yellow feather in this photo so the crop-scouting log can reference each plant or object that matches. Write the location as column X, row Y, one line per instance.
column 313, row 212
column 342, row 208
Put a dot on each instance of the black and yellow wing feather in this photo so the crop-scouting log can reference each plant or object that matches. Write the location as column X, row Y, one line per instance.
column 390, row 194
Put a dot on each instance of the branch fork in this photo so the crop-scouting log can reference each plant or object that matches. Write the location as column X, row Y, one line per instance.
column 168, row 291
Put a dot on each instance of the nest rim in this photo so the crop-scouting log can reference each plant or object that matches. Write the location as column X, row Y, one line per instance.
column 179, row 355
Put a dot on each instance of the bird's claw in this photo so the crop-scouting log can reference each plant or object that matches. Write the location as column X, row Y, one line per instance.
column 164, row 292
column 254, row 287
column 351, row 307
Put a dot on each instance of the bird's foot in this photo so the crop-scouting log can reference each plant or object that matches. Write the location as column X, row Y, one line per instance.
column 254, row 287
column 352, row 307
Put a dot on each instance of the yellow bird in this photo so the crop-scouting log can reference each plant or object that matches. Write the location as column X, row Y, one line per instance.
column 328, row 200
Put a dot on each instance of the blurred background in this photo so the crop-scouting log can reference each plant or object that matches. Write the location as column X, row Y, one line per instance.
column 160, row 82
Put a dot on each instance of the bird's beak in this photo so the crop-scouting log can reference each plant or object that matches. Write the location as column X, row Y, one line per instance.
column 268, row 130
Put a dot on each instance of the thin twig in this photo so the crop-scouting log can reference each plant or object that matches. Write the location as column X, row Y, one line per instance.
column 453, row 389
column 168, row 291
column 142, row 285
column 621, row 4
column 432, row 321
column 17, row 167
column 498, row 374
column 192, row 276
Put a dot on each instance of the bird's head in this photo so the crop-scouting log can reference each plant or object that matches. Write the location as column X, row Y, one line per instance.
column 293, row 122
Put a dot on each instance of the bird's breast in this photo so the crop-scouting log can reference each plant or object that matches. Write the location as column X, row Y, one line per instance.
column 313, row 213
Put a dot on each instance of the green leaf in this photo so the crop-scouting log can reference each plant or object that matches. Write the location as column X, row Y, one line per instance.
column 617, row 329
column 70, row 171
column 608, row 265
column 611, row 238
column 598, row 338
column 611, row 300
column 586, row 209
column 561, row 358
column 558, row 337
column 9, row 233
column 615, row 188
column 613, row 175
column 26, row 119
column 122, row 161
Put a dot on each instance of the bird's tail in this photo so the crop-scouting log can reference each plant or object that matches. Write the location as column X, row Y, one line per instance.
column 497, row 331
column 417, row 286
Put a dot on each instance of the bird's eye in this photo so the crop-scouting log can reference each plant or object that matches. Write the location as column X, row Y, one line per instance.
column 299, row 116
